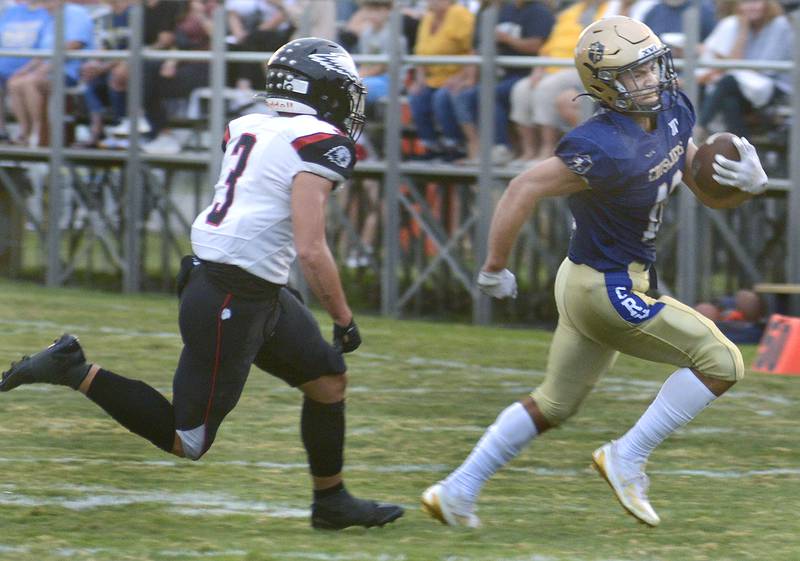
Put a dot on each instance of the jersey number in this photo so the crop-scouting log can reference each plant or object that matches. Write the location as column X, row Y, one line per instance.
column 243, row 149
column 657, row 212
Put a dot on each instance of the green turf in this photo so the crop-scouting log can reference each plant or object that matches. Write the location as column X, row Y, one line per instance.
column 75, row 486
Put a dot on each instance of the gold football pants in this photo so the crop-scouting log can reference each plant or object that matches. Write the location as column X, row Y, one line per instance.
column 603, row 314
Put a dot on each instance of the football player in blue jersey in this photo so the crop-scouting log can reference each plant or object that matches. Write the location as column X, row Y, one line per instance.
column 618, row 169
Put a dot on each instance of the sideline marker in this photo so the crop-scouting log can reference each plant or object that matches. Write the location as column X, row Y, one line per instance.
column 779, row 349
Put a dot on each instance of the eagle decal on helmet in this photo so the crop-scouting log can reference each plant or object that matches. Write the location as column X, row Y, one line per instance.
column 336, row 62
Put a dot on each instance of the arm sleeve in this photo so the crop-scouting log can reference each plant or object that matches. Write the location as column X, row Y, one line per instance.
column 589, row 160
column 328, row 155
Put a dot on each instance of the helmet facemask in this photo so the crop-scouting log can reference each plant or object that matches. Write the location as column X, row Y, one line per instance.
column 354, row 122
column 635, row 99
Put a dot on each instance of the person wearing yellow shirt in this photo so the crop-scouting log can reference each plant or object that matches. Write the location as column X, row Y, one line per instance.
column 446, row 29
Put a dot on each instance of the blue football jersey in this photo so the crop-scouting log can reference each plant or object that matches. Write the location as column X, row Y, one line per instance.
column 630, row 174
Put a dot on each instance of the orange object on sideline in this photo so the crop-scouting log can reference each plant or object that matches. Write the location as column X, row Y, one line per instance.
column 779, row 349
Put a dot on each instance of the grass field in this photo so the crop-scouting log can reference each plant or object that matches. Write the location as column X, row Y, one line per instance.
column 75, row 486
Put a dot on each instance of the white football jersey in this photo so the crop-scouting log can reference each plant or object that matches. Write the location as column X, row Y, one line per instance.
column 249, row 221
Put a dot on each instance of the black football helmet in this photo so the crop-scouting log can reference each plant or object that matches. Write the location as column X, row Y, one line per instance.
column 313, row 76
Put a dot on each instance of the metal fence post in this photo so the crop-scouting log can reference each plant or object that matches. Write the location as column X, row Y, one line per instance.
column 217, row 78
column 55, row 188
column 793, row 210
column 134, row 185
column 686, row 288
column 482, row 305
column 391, row 177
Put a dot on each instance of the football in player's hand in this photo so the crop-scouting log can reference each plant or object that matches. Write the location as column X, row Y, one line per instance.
column 722, row 196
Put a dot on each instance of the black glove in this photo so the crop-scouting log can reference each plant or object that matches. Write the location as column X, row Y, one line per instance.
column 346, row 339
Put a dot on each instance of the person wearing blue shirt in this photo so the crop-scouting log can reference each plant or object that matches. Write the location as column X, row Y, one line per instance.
column 522, row 27
column 617, row 170
column 20, row 28
column 667, row 17
column 30, row 85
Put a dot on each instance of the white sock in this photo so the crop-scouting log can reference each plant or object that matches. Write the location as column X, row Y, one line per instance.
column 682, row 397
column 501, row 442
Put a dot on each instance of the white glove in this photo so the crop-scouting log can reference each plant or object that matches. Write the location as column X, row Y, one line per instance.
column 498, row 285
column 746, row 174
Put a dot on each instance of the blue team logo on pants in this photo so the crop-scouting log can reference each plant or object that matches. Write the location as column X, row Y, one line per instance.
column 629, row 306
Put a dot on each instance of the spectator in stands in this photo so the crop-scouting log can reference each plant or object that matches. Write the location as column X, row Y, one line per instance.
column 172, row 79
column 758, row 31
column 107, row 79
column 255, row 25
column 20, row 27
column 445, row 29
column 371, row 26
column 30, row 86
column 534, row 100
column 570, row 110
column 522, row 28
column 313, row 18
column 740, row 317
column 666, row 18
column 160, row 20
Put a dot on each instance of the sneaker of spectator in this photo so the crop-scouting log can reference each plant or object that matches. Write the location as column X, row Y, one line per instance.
column 124, row 127
column 359, row 259
column 501, row 154
column 164, row 143
column 114, row 143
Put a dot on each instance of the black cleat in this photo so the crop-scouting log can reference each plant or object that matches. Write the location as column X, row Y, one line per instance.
column 342, row 510
column 61, row 363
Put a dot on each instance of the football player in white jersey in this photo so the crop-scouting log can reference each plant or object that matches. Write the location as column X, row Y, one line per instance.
column 235, row 309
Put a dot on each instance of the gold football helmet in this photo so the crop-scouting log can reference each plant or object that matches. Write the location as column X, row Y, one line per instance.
column 611, row 52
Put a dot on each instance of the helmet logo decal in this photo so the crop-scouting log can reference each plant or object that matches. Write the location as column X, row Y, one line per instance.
column 596, row 51
column 580, row 163
column 341, row 63
column 339, row 155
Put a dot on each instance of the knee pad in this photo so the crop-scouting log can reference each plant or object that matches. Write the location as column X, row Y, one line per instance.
column 722, row 360
column 554, row 411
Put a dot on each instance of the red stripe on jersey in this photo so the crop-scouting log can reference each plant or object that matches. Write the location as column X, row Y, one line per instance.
column 299, row 143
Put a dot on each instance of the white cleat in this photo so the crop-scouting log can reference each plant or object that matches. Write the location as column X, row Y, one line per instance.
column 628, row 482
column 437, row 503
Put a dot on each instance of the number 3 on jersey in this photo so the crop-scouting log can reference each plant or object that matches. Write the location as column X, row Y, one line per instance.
column 242, row 149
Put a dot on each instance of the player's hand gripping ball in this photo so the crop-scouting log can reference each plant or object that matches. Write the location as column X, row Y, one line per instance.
column 727, row 170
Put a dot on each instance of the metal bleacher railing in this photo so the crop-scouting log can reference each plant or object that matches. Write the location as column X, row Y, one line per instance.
column 690, row 275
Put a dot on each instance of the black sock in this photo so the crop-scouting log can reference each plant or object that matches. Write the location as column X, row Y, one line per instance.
column 322, row 430
column 323, row 493
column 136, row 406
